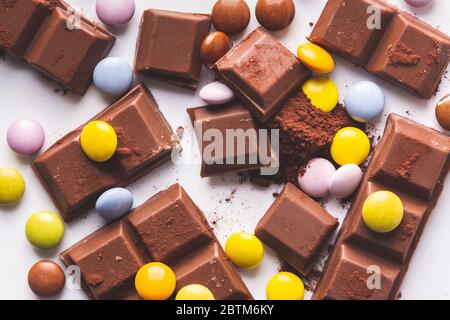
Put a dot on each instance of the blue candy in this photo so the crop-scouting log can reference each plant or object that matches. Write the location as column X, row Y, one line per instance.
column 113, row 76
column 365, row 101
column 114, row 203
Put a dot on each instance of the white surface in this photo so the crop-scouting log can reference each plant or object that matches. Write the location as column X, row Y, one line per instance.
column 24, row 93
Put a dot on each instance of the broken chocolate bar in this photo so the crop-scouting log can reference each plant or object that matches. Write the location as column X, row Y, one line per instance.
column 262, row 72
column 169, row 44
column 388, row 42
column 412, row 161
column 297, row 228
column 167, row 228
column 145, row 140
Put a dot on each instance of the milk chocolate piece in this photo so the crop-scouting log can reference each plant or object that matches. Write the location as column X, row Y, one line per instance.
column 296, row 227
column 55, row 39
column 400, row 48
column 262, row 72
column 412, row 161
column 167, row 228
column 169, row 44
column 241, row 138
column 145, row 140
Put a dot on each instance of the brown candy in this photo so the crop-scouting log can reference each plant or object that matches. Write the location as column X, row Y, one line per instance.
column 230, row 16
column 275, row 15
column 214, row 46
column 443, row 112
column 46, row 278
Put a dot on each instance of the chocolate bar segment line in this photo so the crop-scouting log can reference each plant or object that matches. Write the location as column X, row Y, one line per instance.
column 167, row 228
column 145, row 141
column 412, row 161
column 387, row 42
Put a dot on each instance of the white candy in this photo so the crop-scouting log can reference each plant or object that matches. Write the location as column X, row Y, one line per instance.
column 216, row 93
column 345, row 180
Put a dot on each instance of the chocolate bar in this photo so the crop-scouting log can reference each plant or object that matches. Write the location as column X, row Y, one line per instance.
column 54, row 39
column 168, row 46
column 398, row 47
column 145, row 140
column 241, row 139
column 167, row 228
column 262, row 72
column 296, row 227
column 412, row 161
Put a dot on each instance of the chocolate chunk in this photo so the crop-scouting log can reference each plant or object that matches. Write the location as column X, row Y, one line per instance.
column 145, row 140
column 297, row 228
column 262, row 72
column 396, row 47
column 406, row 163
column 169, row 44
column 167, row 228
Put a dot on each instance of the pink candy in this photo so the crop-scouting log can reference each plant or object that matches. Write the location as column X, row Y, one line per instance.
column 418, row 3
column 316, row 178
column 115, row 12
column 25, row 137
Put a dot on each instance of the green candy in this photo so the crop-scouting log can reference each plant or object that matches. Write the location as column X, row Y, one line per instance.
column 44, row 229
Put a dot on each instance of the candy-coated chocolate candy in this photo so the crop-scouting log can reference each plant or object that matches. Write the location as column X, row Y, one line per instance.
column 98, row 141
column 285, row 286
column 113, row 76
column 114, row 203
column 315, row 58
column 46, row 278
column 244, row 250
column 25, row 136
column 214, row 46
column 350, row 145
column 230, row 16
column 382, row 211
column 345, row 180
column 44, row 229
column 443, row 112
column 418, row 3
column 194, row 292
column 315, row 178
column 216, row 93
column 155, row 281
column 365, row 101
column 12, row 186
column 322, row 92
column 115, row 12
column 275, row 15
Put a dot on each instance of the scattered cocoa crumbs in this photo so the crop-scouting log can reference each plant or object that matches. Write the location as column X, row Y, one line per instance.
column 401, row 55
column 311, row 24
column 275, row 194
column 399, row 295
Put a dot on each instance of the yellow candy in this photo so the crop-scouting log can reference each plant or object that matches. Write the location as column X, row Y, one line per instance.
column 44, row 229
column 244, row 250
column 194, row 292
column 382, row 211
column 285, row 286
column 322, row 92
column 315, row 58
column 98, row 141
column 12, row 186
column 350, row 145
column 155, row 281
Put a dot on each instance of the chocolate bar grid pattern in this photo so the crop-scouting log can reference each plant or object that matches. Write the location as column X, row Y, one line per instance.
column 145, row 141
column 38, row 32
column 413, row 162
column 168, row 228
column 404, row 51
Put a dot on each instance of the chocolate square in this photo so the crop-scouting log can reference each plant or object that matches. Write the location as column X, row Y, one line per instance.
column 413, row 54
column 169, row 44
column 262, row 72
column 68, row 52
column 296, row 227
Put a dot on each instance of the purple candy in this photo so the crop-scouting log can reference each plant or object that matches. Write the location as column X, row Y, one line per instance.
column 418, row 3
column 25, row 136
column 115, row 12
column 314, row 181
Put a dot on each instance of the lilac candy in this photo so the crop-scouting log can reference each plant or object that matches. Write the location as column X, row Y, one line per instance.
column 115, row 12
column 314, row 181
column 25, row 136
column 418, row 3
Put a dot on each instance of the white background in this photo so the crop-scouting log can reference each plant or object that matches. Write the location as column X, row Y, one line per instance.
column 24, row 93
